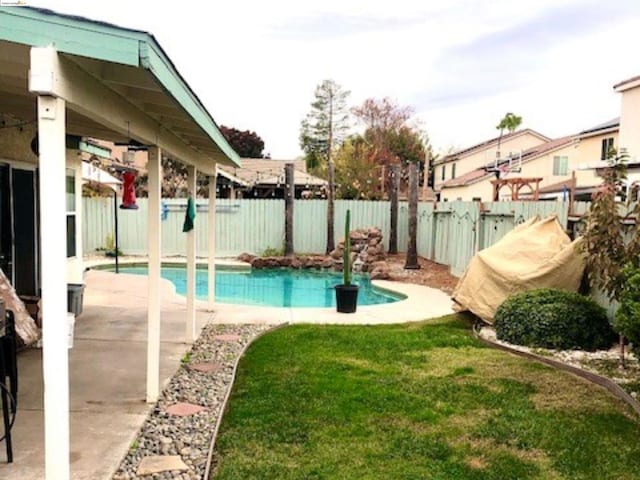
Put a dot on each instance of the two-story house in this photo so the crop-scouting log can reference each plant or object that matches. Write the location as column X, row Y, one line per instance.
column 472, row 158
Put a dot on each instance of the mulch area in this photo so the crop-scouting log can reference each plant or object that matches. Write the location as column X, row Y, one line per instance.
column 430, row 274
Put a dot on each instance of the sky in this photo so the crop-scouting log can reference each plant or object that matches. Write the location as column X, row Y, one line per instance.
column 461, row 64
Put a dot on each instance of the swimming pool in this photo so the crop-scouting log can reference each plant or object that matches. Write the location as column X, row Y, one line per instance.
column 272, row 287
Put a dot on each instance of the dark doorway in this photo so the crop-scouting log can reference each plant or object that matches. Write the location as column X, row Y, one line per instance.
column 6, row 223
column 25, row 233
column 18, row 229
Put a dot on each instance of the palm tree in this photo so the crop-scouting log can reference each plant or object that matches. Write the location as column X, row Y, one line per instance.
column 511, row 122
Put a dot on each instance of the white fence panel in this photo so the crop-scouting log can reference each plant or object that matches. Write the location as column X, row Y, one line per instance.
column 310, row 226
column 248, row 225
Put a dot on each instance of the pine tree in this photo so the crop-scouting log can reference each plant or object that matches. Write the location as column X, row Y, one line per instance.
column 325, row 126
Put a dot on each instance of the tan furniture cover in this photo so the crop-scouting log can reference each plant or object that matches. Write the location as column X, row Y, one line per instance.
column 25, row 326
column 535, row 254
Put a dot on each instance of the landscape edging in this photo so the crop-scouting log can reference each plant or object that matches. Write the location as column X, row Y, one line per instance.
column 223, row 407
column 600, row 380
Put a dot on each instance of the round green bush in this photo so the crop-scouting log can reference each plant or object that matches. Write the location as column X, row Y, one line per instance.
column 553, row 319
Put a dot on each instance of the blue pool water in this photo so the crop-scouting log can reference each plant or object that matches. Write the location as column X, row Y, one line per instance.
column 275, row 288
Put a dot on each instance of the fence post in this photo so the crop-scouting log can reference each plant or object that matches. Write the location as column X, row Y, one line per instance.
column 289, row 194
column 395, row 186
column 330, row 208
column 411, row 262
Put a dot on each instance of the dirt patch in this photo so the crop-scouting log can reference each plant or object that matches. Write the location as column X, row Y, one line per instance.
column 477, row 463
column 430, row 274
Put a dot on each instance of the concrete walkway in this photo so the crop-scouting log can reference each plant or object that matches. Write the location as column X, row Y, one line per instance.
column 107, row 370
column 421, row 303
column 108, row 364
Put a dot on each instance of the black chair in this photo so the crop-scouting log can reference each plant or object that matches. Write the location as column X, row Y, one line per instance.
column 8, row 379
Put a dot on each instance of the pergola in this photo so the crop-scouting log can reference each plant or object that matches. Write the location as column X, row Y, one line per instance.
column 515, row 185
column 76, row 76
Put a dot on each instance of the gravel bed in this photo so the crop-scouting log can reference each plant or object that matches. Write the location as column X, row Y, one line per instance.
column 601, row 362
column 190, row 436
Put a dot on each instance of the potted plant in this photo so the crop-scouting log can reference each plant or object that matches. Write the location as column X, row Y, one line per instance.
column 347, row 293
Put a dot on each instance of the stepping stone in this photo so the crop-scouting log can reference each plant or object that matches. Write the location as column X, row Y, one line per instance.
column 206, row 367
column 227, row 337
column 161, row 463
column 182, row 409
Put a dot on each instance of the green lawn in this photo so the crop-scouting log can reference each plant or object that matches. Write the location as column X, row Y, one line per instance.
column 417, row 401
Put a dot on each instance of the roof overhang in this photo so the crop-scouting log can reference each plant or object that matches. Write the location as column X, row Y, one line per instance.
column 487, row 145
column 91, row 173
column 602, row 131
column 232, row 178
column 627, row 84
column 133, row 90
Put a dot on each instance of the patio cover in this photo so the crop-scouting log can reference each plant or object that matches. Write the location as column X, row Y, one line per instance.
column 536, row 254
column 91, row 173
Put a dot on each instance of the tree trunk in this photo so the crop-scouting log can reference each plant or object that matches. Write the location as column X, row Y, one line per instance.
column 393, row 194
column 411, row 262
column 623, row 363
column 330, row 209
column 289, row 194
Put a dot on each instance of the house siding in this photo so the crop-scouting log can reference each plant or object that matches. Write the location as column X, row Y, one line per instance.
column 630, row 123
column 468, row 163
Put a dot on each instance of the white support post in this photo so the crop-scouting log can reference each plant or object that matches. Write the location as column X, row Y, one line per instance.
column 154, row 167
column 212, row 241
column 190, row 332
column 55, row 355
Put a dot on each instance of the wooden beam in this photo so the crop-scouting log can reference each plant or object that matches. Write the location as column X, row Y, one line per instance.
column 84, row 94
column 154, row 167
column 55, row 341
column 190, row 318
column 211, row 235
column 117, row 74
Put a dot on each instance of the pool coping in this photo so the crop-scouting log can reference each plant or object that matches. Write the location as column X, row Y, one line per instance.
column 420, row 303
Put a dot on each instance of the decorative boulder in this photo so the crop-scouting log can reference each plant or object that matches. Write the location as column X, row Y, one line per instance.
column 246, row 257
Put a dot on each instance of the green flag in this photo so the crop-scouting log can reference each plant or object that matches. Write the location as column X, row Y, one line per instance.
column 190, row 215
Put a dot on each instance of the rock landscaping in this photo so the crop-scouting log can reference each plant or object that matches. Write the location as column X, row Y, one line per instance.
column 174, row 440
column 601, row 362
column 367, row 255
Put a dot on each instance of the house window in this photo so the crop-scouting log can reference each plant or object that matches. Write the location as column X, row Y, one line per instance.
column 444, row 172
column 453, row 171
column 71, row 212
column 560, row 165
column 607, row 145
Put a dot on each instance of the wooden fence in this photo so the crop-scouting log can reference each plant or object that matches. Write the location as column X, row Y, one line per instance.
column 448, row 232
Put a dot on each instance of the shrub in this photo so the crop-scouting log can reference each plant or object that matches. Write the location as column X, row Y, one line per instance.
column 627, row 320
column 553, row 319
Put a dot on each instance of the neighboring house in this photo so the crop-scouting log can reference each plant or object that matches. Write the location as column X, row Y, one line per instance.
column 585, row 163
column 62, row 78
column 264, row 178
column 470, row 159
column 548, row 161
column 562, row 164
column 630, row 118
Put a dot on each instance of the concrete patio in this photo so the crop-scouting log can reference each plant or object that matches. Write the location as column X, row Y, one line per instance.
column 107, row 366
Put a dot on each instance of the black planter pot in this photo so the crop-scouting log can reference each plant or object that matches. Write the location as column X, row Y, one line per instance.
column 346, row 298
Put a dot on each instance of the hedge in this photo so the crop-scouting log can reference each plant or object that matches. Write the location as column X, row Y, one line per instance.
column 555, row 319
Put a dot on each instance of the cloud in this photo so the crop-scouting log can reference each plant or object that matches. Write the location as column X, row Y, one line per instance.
column 331, row 25
column 502, row 60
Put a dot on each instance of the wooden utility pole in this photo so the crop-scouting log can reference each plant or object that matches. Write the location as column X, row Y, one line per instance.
column 425, row 177
column 331, row 209
column 289, row 194
column 332, row 182
column 393, row 194
column 411, row 262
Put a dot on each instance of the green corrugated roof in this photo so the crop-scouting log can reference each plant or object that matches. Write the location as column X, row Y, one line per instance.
column 84, row 37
